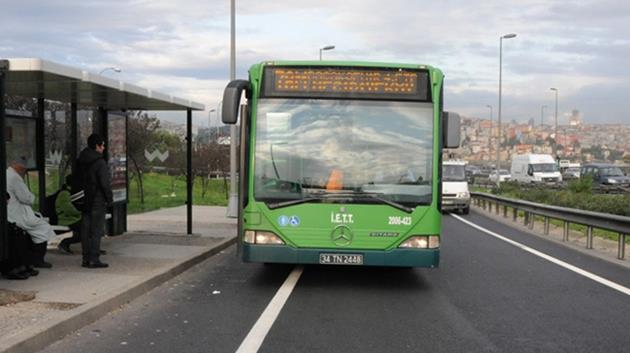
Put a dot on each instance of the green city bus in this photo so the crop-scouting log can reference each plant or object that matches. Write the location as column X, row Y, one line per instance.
column 340, row 162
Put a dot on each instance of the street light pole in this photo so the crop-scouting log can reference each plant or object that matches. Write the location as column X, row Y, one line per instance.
column 490, row 135
column 113, row 68
column 505, row 36
column 556, row 119
column 328, row 47
column 219, row 106
column 210, row 117
column 232, row 210
column 542, row 113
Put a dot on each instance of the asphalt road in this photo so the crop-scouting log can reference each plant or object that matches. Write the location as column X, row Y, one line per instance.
column 487, row 296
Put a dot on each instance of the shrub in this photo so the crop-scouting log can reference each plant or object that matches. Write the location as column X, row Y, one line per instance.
column 578, row 195
column 582, row 185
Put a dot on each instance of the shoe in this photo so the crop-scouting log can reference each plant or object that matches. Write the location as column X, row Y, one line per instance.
column 97, row 264
column 30, row 271
column 65, row 248
column 43, row 264
column 15, row 274
column 102, row 252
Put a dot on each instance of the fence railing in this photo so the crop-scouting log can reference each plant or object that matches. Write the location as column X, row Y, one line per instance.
column 591, row 220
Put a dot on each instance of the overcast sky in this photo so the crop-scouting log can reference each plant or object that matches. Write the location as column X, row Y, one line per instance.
column 182, row 47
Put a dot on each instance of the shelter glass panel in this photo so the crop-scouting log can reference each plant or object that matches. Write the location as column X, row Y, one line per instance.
column 86, row 119
column 117, row 154
column 57, row 144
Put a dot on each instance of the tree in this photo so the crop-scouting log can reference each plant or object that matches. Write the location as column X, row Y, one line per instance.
column 201, row 164
column 615, row 155
column 141, row 134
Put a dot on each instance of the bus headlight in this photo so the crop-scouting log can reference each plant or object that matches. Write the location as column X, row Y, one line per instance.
column 261, row 237
column 422, row 242
column 463, row 195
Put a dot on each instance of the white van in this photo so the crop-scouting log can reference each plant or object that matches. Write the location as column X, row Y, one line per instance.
column 535, row 168
column 455, row 194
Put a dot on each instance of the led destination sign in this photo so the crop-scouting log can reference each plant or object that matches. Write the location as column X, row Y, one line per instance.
column 360, row 83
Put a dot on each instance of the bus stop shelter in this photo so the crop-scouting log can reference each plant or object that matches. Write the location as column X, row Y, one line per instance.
column 91, row 104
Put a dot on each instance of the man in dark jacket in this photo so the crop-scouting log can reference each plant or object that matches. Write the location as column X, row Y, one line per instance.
column 98, row 191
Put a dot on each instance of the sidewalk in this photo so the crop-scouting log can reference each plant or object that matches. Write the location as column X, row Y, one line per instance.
column 68, row 297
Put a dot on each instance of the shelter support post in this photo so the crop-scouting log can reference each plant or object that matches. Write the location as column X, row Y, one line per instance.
column 74, row 139
column 40, row 151
column 4, row 68
column 189, row 175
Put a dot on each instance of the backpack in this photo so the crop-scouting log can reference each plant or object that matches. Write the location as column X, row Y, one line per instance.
column 79, row 189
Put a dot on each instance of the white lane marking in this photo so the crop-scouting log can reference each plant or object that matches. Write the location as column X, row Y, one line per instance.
column 589, row 275
column 257, row 334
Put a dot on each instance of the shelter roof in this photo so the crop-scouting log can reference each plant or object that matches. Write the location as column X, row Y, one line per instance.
column 31, row 77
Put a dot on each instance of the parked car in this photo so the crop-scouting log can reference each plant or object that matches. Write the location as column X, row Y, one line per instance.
column 571, row 173
column 455, row 193
column 472, row 171
column 504, row 175
column 535, row 168
column 605, row 174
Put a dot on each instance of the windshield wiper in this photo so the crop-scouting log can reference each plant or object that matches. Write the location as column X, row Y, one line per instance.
column 275, row 205
column 319, row 196
column 389, row 202
column 370, row 195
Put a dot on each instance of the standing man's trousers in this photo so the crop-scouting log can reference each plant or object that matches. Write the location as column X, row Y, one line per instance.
column 92, row 230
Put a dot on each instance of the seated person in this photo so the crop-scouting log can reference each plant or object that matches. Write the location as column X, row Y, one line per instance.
column 67, row 215
column 20, row 211
column 17, row 265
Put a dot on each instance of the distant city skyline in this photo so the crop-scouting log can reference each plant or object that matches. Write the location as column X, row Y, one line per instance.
column 579, row 141
column 182, row 48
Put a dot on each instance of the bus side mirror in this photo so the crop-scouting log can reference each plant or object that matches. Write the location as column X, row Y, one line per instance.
column 232, row 100
column 450, row 129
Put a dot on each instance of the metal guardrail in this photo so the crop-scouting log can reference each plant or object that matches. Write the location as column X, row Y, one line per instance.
column 613, row 223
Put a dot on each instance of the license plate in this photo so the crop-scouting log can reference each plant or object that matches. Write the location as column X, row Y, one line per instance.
column 447, row 202
column 341, row 259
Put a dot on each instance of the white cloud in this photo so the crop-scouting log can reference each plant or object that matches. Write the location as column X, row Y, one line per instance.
column 182, row 47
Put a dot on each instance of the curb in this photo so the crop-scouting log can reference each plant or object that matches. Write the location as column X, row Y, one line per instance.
column 35, row 339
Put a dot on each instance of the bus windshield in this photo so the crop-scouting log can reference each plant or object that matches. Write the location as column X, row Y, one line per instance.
column 307, row 148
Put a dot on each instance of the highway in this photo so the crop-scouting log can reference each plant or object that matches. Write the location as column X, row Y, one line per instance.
column 489, row 295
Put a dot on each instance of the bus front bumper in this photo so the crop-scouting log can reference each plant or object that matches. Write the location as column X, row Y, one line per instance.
column 453, row 203
column 395, row 257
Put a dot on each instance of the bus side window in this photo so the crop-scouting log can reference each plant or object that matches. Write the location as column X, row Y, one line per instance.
column 530, row 170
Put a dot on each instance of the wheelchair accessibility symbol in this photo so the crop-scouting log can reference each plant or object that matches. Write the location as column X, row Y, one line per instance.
column 294, row 221
column 283, row 221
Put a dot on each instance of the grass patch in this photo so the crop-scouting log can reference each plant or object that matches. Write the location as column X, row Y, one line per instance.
column 161, row 190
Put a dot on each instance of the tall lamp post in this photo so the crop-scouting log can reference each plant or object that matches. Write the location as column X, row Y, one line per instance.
column 505, row 36
column 542, row 114
column 556, row 120
column 210, row 117
column 113, row 68
column 490, row 135
column 328, row 47
column 219, row 106
column 232, row 211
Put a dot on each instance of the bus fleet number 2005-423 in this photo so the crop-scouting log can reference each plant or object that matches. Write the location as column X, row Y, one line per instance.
column 398, row 220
